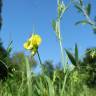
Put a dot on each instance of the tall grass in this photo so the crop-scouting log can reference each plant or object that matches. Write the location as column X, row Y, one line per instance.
column 30, row 84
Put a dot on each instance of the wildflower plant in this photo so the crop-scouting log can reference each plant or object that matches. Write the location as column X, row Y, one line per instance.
column 61, row 9
column 32, row 44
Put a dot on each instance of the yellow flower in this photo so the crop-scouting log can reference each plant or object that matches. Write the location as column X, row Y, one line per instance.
column 32, row 43
column 28, row 45
column 35, row 40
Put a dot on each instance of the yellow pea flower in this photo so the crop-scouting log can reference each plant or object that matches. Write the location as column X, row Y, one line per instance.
column 32, row 44
column 28, row 45
column 35, row 40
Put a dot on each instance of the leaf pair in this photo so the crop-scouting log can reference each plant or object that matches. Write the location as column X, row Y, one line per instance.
column 74, row 59
column 80, row 7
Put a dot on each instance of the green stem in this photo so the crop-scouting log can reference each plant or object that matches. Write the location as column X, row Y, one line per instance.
column 61, row 46
column 41, row 64
column 39, row 58
column 62, row 54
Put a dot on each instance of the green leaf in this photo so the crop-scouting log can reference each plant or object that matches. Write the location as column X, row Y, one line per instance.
column 81, row 2
column 51, row 87
column 71, row 57
column 54, row 25
column 88, row 9
column 78, row 7
column 84, row 22
column 9, row 49
column 76, row 53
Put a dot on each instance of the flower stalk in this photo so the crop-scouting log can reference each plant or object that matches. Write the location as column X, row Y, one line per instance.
column 61, row 8
column 39, row 58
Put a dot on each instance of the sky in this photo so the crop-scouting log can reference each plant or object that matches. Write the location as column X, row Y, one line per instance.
column 22, row 17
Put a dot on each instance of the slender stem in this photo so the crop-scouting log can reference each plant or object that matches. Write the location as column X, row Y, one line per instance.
column 39, row 58
column 61, row 46
column 41, row 64
column 62, row 54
